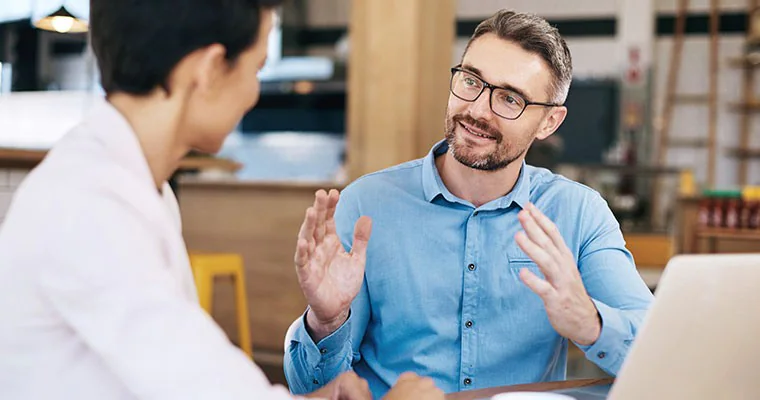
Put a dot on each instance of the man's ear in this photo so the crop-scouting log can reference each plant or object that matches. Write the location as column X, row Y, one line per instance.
column 551, row 122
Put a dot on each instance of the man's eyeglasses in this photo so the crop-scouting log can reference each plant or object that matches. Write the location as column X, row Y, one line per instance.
column 504, row 102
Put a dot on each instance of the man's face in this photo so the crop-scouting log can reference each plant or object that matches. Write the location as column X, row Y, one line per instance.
column 481, row 139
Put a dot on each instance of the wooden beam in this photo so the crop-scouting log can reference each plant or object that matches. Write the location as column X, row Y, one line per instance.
column 398, row 77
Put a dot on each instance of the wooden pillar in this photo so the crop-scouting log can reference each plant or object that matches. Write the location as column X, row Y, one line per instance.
column 398, row 80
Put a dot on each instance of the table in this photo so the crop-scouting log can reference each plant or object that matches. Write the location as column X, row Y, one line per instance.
column 712, row 235
column 532, row 387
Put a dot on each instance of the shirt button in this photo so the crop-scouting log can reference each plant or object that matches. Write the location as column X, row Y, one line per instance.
column 467, row 381
column 468, row 324
column 471, row 267
column 316, row 382
column 323, row 351
column 475, row 213
column 601, row 354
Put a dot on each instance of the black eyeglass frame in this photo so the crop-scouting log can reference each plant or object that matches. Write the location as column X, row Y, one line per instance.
column 487, row 85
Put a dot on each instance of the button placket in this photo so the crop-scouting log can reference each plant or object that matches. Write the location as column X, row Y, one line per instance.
column 471, row 286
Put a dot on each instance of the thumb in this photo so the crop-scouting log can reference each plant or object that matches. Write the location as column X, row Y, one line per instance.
column 362, row 232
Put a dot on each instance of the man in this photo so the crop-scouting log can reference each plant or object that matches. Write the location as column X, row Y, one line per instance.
column 480, row 269
column 96, row 293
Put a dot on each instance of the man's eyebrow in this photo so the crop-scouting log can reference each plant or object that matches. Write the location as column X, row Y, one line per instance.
column 503, row 85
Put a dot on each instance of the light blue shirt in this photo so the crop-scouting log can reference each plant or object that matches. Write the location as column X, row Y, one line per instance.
column 442, row 296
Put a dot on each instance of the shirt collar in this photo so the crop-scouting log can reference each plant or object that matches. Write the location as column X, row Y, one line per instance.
column 431, row 180
column 433, row 184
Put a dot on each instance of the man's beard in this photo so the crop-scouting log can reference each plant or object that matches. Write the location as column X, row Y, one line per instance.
column 504, row 154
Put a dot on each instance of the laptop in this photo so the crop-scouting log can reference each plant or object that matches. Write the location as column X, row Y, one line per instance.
column 701, row 337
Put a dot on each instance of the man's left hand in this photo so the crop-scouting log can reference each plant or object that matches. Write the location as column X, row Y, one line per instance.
column 570, row 309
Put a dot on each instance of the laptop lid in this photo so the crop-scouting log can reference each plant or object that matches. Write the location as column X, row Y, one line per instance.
column 701, row 337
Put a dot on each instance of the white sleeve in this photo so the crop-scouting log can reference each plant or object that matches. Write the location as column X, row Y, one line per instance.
column 108, row 282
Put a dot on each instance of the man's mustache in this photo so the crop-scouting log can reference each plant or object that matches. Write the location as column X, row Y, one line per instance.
column 482, row 125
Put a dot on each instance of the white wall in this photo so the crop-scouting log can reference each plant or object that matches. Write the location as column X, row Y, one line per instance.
column 546, row 8
column 335, row 14
column 702, row 6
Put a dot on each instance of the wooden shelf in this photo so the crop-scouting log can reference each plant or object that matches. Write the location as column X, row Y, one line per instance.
column 744, row 153
column 692, row 98
column 688, row 142
column 745, row 107
column 726, row 233
column 748, row 61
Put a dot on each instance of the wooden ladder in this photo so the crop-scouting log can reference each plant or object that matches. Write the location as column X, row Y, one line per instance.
column 749, row 103
column 674, row 98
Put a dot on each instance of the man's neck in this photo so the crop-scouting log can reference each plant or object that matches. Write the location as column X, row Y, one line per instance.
column 476, row 186
column 156, row 133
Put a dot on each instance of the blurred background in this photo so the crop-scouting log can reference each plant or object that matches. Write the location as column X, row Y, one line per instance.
column 661, row 122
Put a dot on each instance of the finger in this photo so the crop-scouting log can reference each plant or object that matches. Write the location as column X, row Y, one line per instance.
column 407, row 376
column 302, row 253
column 307, row 227
column 539, row 237
column 539, row 286
column 320, row 204
column 535, row 233
column 545, row 261
column 549, row 227
column 362, row 232
column 332, row 203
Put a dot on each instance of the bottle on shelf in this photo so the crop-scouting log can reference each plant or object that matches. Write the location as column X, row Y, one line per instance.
column 745, row 208
column 717, row 211
column 732, row 200
column 705, row 209
column 754, row 209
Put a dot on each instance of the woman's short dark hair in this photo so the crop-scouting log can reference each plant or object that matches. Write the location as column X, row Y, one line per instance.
column 139, row 42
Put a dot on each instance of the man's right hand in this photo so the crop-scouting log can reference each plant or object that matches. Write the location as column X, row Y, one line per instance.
column 330, row 278
column 411, row 386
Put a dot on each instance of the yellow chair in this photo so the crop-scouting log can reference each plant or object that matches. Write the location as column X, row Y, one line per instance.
column 206, row 267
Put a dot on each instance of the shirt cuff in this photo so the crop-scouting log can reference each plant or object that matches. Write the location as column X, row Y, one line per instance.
column 326, row 348
column 614, row 340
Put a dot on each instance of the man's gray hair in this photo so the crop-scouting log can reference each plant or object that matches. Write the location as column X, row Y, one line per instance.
column 535, row 35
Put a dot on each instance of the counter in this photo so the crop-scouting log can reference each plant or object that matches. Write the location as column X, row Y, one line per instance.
column 26, row 159
column 260, row 221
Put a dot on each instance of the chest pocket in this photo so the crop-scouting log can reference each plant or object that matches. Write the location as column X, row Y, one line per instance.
column 516, row 258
